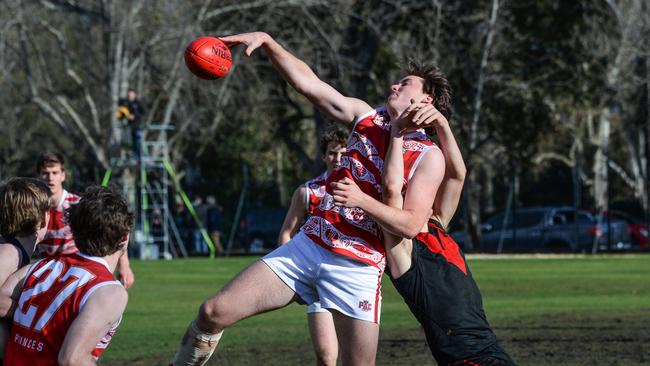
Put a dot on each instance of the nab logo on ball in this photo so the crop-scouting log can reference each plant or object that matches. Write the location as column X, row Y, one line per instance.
column 208, row 58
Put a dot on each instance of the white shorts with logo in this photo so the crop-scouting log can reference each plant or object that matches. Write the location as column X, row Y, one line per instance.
column 337, row 282
column 316, row 308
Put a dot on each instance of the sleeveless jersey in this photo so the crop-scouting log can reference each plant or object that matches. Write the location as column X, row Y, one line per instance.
column 349, row 231
column 315, row 191
column 58, row 238
column 53, row 295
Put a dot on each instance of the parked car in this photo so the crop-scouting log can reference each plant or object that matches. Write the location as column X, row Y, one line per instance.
column 636, row 228
column 549, row 229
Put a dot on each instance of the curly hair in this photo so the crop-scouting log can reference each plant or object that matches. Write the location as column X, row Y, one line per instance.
column 100, row 221
column 335, row 135
column 23, row 202
column 435, row 84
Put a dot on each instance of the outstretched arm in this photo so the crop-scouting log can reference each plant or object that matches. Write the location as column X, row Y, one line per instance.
column 101, row 312
column 295, row 215
column 297, row 73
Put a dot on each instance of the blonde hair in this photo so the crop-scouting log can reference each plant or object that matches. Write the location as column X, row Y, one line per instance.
column 23, row 201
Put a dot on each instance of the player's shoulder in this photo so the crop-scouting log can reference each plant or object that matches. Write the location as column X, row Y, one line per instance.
column 301, row 191
column 367, row 112
column 110, row 291
column 71, row 197
column 433, row 158
column 9, row 255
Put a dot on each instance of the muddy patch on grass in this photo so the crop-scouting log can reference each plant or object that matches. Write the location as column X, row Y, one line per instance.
column 568, row 339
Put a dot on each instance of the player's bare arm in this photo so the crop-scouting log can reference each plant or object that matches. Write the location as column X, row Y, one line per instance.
column 406, row 222
column 9, row 261
column 101, row 312
column 398, row 250
column 451, row 188
column 297, row 73
column 125, row 272
column 295, row 215
column 10, row 292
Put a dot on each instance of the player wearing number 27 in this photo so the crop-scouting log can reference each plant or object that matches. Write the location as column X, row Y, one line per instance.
column 66, row 309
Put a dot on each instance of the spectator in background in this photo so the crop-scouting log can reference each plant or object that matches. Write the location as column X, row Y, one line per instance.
column 200, row 246
column 214, row 223
column 131, row 110
column 181, row 219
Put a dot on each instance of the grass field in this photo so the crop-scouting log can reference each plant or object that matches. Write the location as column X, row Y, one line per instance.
column 591, row 310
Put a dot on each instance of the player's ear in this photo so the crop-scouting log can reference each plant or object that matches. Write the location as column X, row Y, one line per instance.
column 428, row 99
column 45, row 218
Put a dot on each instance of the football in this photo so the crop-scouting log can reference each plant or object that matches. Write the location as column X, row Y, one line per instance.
column 208, row 58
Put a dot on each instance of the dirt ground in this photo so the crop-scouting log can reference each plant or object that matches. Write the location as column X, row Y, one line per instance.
column 571, row 340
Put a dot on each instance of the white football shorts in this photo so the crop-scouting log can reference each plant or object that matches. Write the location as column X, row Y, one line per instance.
column 337, row 282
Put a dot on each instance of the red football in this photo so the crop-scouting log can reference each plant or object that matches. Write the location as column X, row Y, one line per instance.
column 208, row 58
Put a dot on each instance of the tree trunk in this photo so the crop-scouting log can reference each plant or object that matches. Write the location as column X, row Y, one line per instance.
column 600, row 160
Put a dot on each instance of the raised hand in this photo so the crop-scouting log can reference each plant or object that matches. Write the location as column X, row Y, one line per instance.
column 252, row 40
column 420, row 115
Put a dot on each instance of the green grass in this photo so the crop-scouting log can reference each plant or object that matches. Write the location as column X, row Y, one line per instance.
column 167, row 295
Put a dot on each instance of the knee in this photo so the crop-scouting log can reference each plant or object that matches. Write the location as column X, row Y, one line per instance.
column 213, row 316
column 326, row 357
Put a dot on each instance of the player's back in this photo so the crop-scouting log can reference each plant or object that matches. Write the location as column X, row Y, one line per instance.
column 54, row 293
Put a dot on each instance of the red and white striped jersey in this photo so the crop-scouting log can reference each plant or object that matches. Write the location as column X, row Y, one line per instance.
column 58, row 238
column 54, row 293
column 349, row 231
column 315, row 189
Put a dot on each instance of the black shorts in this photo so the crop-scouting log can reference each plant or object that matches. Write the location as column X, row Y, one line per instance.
column 442, row 294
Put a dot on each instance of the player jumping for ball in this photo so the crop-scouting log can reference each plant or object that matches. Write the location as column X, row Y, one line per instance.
column 66, row 308
column 338, row 257
column 430, row 271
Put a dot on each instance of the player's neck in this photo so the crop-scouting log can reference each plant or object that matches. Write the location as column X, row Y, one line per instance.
column 57, row 196
column 113, row 259
column 392, row 113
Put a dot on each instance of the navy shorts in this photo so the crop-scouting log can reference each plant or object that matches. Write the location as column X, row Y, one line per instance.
column 442, row 294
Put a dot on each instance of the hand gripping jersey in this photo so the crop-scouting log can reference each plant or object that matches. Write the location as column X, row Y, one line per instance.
column 54, row 293
column 315, row 192
column 58, row 238
column 349, row 231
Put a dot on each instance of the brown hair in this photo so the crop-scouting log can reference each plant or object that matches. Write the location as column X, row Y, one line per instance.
column 335, row 135
column 435, row 84
column 49, row 158
column 23, row 201
column 100, row 221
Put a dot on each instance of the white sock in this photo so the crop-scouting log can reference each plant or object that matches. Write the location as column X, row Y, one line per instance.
column 196, row 347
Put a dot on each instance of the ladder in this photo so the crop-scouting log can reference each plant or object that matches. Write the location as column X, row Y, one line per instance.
column 156, row 234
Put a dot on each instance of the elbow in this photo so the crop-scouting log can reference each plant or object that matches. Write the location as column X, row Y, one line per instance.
column 411, row 232
column 391, row 189
column 460, row 173
column 68, row 359
column 408, row 231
